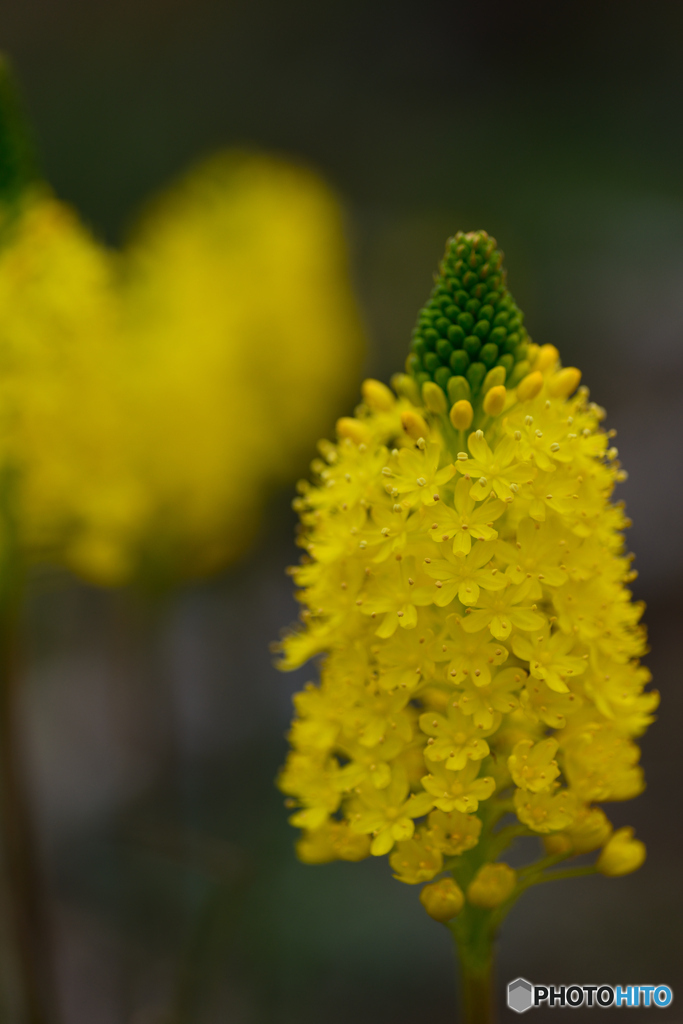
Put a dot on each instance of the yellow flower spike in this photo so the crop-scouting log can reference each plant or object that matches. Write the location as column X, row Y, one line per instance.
column 414, row 425
column 442, row 900
column 462, row 414
column 547, row 358
column 229, row 310
column 377, row 395
column 492, row 885
column 529, row 386
column 353, row 429
column 622, row 854
column 480, row 644
column 564, row 382
column 494, row 400
column 434, row 398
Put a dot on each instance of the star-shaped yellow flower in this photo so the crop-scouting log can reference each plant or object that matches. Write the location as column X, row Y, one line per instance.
column 494, row 470
column 414, row 474
column 465, row 520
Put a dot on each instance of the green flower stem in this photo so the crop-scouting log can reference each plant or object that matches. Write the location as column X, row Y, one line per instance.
column 501, row 840
column 558, row 876
column 20, row 859
column 475, row 930
column 474, row 946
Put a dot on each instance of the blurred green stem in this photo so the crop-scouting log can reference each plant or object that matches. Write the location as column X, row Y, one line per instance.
column 20, row 860
column 474, row 942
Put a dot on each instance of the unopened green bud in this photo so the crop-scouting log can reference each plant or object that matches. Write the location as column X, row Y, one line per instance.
column 470, row 323
column 493, row 379
column 406, row 386
column 434, row 398
column 459, row 390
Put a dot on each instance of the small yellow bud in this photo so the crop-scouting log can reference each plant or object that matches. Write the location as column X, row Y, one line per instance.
column 493, row 378
column 459, row 389
column 530, row 386
column 492, row 885
column 462, row 414
column 563, row 383
column 519, row 372
column 621, row 855
column 532, row 351
column 414, row 424
column 433, row 397
column 406, row 386
column 377, row 396
column 494, row 401
column 349, row 427
column 442, row 900
column 546, row 358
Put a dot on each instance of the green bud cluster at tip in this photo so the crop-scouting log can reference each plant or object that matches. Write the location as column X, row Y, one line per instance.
column 471, row 323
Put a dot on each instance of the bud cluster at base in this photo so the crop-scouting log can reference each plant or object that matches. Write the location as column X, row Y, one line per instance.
column 522, row 995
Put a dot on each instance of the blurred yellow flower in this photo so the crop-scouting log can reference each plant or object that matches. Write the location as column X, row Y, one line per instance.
column 151, row 398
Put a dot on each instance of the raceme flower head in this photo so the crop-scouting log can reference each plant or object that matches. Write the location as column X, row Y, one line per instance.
column 151, row 398
column 241, row 335
column 464, row 581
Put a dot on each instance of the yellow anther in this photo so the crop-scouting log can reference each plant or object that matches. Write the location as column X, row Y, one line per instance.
column 494, row 400
column 414, row 424
column 462, row 414
column 530, row 386
column 377, row 396
column 356, row 431
column 562, row 384
column 433, row 397
column 547, row 358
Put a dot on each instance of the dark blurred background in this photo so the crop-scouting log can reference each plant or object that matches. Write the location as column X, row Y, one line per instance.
column 155, row 734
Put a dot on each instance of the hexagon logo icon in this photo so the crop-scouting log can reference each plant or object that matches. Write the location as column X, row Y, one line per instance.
column 520, row 995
